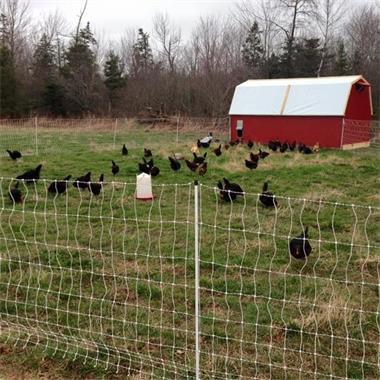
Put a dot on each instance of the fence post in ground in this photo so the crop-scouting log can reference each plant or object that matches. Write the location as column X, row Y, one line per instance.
column 36, row 133
column 114, row 133
column 178, row 117
column 196, row 284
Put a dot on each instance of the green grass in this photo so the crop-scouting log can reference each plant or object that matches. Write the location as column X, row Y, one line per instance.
column 115, row 274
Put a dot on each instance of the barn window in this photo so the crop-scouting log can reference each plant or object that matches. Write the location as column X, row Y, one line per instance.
column 239, row 128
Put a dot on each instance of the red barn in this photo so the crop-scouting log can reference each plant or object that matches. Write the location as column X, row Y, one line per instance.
column 332, row 111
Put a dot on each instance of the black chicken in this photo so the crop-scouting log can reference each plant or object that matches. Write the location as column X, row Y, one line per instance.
column 149, row 163
column 307, row 150
column 154, row 171
column 96, row 187
column 191, row 165
column 199, row 159
column 263, row 154
column 250, row 144
column 236, row 188
column 115, row 168
column 14, row 155
column 144, row 168
column 31, row 175
column 218, row 150
column 124, row 150
column 272, row 146
column 59, row 187
column 226, row 195
column 199, row 144
column 300, row 147
column 300, row 247
column 202, row 169
column 174, row 164
column 147, row 153
column 254, row 157
column 267, row 198
column 229, row 190
column 292, row 146
column 15, row 194
column 284, row 147
column 251, row 164
column 82, row 182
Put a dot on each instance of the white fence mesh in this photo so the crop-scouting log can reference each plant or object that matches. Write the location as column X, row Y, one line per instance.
column 111, row 281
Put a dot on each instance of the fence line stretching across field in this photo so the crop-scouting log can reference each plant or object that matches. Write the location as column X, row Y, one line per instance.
column 189, row 285
column 35, row 136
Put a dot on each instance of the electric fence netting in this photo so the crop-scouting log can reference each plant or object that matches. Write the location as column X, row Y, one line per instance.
column 268, row 314
column 103, row 279
column 114, row 281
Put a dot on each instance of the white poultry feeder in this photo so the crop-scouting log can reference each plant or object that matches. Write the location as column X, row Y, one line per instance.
column 144, row 187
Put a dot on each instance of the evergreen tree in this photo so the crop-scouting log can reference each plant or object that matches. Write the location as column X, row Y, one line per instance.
column 341, row 66
column 115, row 80
column 252, row 49
column 9, row 101
column 307, row 56
column 46, row 84
column 142, row 53
column 9, row 86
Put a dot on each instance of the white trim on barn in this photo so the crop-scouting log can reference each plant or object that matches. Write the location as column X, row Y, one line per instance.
column 325, row 96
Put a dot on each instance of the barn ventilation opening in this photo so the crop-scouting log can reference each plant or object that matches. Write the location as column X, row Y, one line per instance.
column 239, row 128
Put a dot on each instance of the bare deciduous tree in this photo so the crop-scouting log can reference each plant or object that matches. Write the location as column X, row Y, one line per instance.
column 169, row 38
column 328, row 15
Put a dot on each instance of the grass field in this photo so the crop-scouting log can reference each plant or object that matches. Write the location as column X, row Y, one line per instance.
column 110, row 280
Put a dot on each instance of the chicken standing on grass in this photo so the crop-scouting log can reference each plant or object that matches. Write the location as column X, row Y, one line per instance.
column 15, row 194
column 147, row 153
column 199, row 159
column 218, row 150
column 115, row 168
column 267, row 198
column 32, row 175
column 191, row 165
column 263, row 154
column 229, row 190
column 14, row 155
column 202, row 169
column 82, row 182
column 96, row 187
column 300, row 247
column 154, row 171
column 251, row 164
column 124, row 150
column 174, row 164
column 59, row 187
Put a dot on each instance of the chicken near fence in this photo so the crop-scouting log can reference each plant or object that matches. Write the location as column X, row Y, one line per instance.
column 267, row 198
column 82, row 182
column 32, row 175
column 300, row 247
column 59, row 187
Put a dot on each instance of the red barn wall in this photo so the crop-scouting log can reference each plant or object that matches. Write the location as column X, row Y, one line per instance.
column 325, row 130
column 359, row 104
column 358, row 117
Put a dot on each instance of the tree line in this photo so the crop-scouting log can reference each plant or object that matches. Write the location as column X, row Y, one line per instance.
column 46, row 69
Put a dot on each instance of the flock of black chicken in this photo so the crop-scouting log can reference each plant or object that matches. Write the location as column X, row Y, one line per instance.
column 299, row 247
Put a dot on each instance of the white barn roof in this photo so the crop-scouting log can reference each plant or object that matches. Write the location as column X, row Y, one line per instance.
column 326, row 96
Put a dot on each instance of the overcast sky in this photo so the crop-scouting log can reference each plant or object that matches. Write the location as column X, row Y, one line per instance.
column 113, row 17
